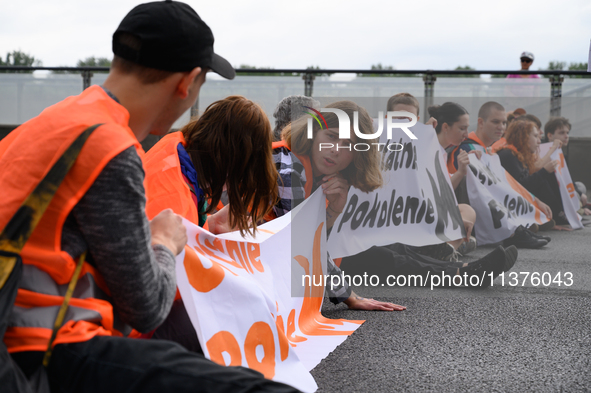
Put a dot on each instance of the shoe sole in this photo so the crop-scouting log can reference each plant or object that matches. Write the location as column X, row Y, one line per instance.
column 547, row 226
column 495, row 262
column 510, row 258
column 546, row 238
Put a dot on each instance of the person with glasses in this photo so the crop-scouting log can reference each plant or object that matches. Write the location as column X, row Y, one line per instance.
column 522, row 88
column 527, row 59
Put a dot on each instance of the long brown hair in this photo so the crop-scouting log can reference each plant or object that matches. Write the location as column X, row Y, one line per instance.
column 230, row 144
column 364, row 172
column 517, row 135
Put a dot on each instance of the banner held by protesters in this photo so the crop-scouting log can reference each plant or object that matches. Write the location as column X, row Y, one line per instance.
column 500, row 202
column 238, row 294
column 415, row 206
column 570, row 201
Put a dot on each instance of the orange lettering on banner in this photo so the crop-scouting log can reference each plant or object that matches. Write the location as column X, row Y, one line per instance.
column 254, row 255
column 561, row 155
column 310, row 320
column 283, row 343
column 234, row 253
column 200, row 278
column 525, row 194
column 291, row 327
column 242, row 255
column 260, row 333
column 224, row 341
column 209, row 249
column 571, row 190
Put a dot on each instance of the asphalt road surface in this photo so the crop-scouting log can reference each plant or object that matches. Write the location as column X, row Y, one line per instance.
column 534, row 337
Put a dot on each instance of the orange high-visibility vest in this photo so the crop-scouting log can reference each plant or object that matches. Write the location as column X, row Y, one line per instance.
column 498, row 145
column 450, row 159
column 165, row 184
column 26, row 155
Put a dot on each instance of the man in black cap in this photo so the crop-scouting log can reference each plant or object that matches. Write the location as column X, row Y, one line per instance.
column 162, row 53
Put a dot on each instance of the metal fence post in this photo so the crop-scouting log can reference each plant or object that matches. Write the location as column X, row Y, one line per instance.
column 86, row 79
column 556, row 94
column 429, row 80
column 308, row 83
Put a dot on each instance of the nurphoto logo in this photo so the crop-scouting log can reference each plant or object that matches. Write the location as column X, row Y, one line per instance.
column 345, row 128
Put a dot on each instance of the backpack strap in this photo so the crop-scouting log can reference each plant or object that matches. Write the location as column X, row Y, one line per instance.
column 23, row 223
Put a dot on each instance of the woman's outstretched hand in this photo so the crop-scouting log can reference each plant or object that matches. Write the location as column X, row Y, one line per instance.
column 356, row 302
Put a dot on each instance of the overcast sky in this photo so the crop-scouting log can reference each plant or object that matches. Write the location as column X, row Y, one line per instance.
column 411, row 34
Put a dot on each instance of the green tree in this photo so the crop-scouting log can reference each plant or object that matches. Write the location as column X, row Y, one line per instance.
column 556, row 65
column 270, row 71
column 465, row 68
column 88, row 62
column 318, row 68
column 379, row 67
column 94, row 62
column 561, row 65
column 578, row 67
column 19, row 58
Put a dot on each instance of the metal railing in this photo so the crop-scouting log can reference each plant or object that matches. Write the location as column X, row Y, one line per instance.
column 556, row 77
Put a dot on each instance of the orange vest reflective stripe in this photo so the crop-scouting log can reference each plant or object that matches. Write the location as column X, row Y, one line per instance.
column 26, row 155
column 165, row 185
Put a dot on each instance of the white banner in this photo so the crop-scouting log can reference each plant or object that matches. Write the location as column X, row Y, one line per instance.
column 415, row 206
column 500, row 202
column 570, row 199
column 238, row 294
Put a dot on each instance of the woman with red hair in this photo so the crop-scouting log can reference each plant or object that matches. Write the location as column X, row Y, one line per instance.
column 518, row 158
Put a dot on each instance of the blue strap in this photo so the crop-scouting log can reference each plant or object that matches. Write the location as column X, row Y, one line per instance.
column 190, row 173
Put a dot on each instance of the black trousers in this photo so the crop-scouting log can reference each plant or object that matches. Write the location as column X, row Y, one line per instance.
column 396, row 259
column 177, row 327
column 549, row 192
column 115, row 364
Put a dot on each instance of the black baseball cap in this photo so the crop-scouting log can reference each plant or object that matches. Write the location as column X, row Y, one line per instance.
column 169, row 36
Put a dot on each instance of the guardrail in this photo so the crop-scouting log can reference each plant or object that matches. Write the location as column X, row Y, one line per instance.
column 556, row 77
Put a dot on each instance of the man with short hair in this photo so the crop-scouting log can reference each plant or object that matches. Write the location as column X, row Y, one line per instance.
column 557, row 128
column 128, row 282
column 492, row 122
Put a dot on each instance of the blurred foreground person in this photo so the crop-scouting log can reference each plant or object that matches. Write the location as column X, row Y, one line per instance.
column 127, row 285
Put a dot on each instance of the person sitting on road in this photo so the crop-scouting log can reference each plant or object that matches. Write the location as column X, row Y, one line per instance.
column 518, row 159
column 452, row 122
column 336, row 170
column 289, row 109
column 491, row 126
column 227, row 148
column 558, row 129
column 447, row 114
